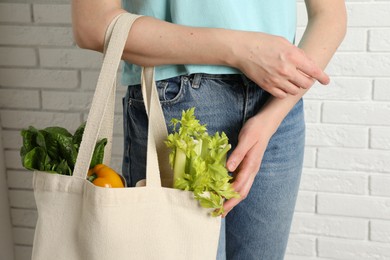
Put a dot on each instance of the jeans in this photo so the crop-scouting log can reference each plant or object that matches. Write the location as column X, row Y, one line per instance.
column 258, row 227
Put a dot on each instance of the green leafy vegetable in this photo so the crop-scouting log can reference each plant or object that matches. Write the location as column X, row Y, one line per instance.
column 98, row 153
column 54, row 149
column 78, row 135
column 198, row 162
column 35, row 159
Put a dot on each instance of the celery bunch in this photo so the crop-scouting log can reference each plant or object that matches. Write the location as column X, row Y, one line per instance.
column 198, row 161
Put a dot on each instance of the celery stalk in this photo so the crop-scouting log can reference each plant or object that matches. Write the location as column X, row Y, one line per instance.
column 180, row 164
column 199, row 162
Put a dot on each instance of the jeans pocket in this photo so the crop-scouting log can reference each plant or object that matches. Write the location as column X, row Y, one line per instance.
column 169, row 91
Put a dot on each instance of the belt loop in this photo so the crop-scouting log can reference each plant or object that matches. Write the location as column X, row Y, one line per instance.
column 196, row 80
column 245, row 80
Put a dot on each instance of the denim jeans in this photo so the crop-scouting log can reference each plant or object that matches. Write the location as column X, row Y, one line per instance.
column 258, row 227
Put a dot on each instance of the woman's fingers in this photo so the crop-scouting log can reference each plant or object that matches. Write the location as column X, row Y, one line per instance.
column 238, row 154
column 247, row 181
column 245, row 174
column 281, row 68
column 309, row 68
column 302, row 80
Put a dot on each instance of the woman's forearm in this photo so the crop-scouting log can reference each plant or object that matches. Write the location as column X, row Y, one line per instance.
column 154, row 42
column 151, row 41
column 270, row 61
column 325, row 31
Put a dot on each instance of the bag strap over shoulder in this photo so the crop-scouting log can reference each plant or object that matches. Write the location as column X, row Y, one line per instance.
column 101, row 114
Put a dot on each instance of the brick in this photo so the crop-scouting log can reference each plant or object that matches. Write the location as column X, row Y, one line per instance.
column 306, row 202
column 118, row 102
column 10, row 56
column 89, row 79
column 39, row 78
column 334, row 181
column 70, row 58
column 74, row 101
column 353, row 206
column 380, row 138
column 22, row 199
column 353, row 159
column 66, row 101
column 341, row 249
column 356, row 113
column 342, row 89
column 19, row 179
column 116, row 163
column 117, row 145
column 23, row 252
column 380, row 231
column 52, row 14
column 12, row 159
column 23, row 236
column 309, row 159
column 359, row 15
column 336, row 135
column 360, row 64
column 301, row 245
column 24, row 217
column 118, row 123
column 298, row 34
column 36, row 35
column 355, row 40
column 11, row 139
column 13, row 98
column 368, row 15
column 382, row 89
column 23, row 119
column 379, row 39
column 309, row 224
column 15, row 13
column 301, row 15
column 312, row 111
column 380, row 185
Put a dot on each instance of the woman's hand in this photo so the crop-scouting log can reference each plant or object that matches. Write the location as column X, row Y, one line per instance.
column 246, row 158
column 270, row 61
column 275, row 64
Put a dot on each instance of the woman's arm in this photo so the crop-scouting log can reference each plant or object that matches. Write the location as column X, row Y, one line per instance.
column 325, row 31
column 270, row 61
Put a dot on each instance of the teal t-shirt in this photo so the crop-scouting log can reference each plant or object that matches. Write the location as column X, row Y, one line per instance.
column 277, row 17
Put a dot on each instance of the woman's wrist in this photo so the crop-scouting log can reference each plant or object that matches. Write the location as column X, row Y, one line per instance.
column 268, row 122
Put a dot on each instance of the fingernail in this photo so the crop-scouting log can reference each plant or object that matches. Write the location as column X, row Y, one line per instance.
column 231, row 166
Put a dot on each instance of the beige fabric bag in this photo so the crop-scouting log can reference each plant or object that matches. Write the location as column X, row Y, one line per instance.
column 78, row 220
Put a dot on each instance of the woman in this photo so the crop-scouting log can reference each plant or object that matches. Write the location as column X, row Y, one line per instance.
column 236, row 63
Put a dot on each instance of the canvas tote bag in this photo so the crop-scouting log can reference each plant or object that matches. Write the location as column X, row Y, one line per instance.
column 78, row 220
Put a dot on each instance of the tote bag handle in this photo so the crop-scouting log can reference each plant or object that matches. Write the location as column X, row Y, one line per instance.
column 101, row 114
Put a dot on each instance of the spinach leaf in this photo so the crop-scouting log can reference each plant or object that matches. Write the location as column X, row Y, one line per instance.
column 66, row 148
column 55, row 150
column 63, row 168
column 52, row 146
column 98, row 153
column 78, row 135
column 35, row 159
column 58, row 130
column 29, row 137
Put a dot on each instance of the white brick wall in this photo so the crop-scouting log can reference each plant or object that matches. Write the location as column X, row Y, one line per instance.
column 343, row 208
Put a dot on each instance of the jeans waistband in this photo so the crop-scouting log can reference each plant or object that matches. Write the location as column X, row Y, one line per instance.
column 197, row 77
